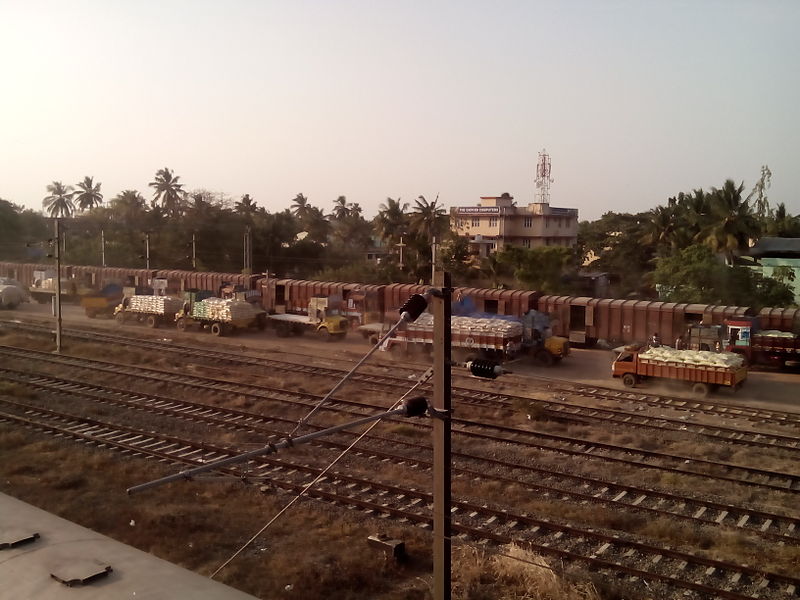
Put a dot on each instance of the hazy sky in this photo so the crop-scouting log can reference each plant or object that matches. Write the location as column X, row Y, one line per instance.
column 635, row 101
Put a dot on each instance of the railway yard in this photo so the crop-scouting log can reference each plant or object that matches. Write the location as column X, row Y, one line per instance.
column 638, row 493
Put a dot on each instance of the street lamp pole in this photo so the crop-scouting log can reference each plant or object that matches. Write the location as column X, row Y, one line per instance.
column 58, row 285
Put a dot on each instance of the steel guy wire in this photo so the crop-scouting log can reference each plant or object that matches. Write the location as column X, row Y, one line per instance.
column 423, row 379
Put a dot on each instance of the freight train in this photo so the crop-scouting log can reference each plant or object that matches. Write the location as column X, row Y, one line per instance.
column 582, row 320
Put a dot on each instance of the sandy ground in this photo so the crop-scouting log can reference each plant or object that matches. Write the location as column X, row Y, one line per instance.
column 767, row 389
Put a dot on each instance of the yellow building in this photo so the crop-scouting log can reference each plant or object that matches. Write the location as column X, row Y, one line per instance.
column 497, row 223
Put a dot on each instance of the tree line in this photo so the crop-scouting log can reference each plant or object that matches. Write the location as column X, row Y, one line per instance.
column 685, row 250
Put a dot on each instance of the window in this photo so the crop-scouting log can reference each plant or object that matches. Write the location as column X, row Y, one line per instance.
column 528, row 222
column 491, row 246
column 476, row 221
column 492, row 221
column 526, row 243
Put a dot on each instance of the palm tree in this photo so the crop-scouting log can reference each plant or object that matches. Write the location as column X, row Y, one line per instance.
column 341, row 210
column 662, row 227
column 88, row 194
column 168, row 191
column 392, row 220
column 130, row 205
column 732, row 223
column 429, row 219
column 246, row 206
column 59, row 202
column 301, row 207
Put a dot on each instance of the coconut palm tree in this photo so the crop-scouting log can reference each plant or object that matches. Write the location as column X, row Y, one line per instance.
column 429, row 219
column 88, row 194
column 59, row 202
column 246, row 206
column 341, row 210
column 300, row 206
column 129, row 206
column 732, row 223
column 391, row 221
column 168, row 191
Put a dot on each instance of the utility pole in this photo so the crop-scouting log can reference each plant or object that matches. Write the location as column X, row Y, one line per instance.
column 194, row 252
column 103, row 247
column 442, row 494
column 247, row 267
column 147, row 250
column 401, row 245
column 58, row 285
column 433, row 260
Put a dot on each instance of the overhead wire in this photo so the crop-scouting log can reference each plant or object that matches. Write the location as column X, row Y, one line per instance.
column 423, row 378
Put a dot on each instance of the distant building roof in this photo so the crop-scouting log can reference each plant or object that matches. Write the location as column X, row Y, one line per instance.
column 776, row 247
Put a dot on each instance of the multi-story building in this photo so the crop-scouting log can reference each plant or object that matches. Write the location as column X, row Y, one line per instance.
column 497, row 223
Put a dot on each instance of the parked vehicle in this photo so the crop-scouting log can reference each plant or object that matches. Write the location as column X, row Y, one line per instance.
column 220, row 316
column 11, row 296
column 103, row 303
column 153, row 311
column 764, row 347
column 324, row 318
column 704, row 372
column 485, row 336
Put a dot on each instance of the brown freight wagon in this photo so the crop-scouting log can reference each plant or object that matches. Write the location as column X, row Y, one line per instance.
column 585, row 320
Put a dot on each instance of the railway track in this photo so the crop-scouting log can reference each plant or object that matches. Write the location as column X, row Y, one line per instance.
column 725, row 472
column 668, row 572
column 780, row 528
column 560, row 407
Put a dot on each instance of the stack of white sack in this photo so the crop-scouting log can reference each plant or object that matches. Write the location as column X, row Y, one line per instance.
column 727, row 360
column 470, row 326
column 776, row 333
column 218, row 309
column 158, row 305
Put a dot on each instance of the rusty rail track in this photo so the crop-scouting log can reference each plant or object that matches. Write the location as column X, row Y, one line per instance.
column 781, row 528
column 670, row 572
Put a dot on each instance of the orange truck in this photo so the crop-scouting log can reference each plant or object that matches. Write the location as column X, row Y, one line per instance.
column 635, row 367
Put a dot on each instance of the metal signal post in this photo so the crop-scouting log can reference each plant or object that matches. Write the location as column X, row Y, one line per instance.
column 58, row 285
column 442, row 493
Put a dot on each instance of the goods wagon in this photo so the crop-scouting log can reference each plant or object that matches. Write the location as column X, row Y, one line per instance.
column 361, row 303
column 585, row 320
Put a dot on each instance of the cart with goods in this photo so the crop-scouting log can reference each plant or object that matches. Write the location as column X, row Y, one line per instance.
column 150, row 310
column 324, row 318
column 487, row 337
column 219, row 316
column 703, row 371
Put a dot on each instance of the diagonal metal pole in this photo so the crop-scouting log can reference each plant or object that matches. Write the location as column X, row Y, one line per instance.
column 442, row 525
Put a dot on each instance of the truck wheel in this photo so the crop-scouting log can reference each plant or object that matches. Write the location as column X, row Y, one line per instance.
column 120, row 318
column 701, row 390
column 151, row 321
column 629, row 380
column 181, row 324
column 324, row 335
column 283, row 329
column 261, row 322
column 298, row 329
column 545, row 358
column 216, row 329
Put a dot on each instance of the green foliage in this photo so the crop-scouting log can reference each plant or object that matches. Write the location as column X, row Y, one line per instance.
column 541, row 268
column 616, row 243
column 696, row 274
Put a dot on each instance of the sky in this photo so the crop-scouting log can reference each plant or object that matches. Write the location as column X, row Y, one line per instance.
column 635, row 101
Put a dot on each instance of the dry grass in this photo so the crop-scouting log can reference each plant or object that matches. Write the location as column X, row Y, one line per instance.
column 513, row 573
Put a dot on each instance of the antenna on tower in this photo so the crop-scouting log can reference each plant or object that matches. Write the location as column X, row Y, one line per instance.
column 543, row 179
